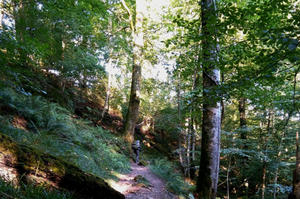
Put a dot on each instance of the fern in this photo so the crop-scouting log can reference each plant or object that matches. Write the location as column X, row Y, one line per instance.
column 91, row 148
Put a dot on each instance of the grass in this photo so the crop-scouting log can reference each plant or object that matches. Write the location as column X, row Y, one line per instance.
column 53, row 129
column 8, row 191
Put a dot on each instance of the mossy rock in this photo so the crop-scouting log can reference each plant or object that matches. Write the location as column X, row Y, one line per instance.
column 144, row 163
column 30, row 165
column 141, row 181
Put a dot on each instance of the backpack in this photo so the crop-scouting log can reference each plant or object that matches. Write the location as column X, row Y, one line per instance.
column 136, row 145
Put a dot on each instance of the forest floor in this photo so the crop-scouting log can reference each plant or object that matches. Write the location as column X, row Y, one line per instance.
column 141, row 183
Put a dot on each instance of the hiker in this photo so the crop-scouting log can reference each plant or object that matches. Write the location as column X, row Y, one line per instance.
column 136, row 147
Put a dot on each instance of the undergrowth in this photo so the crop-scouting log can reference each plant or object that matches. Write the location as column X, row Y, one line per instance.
column 166, row 170
column 53, row 129
column 8, row 191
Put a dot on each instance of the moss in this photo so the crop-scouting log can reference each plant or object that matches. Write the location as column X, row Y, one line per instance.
column 31, row 162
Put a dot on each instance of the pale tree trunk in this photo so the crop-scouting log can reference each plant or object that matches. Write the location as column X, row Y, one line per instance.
column 180, row 151
column 211, row 122
column 1, row 14
column 21, row 21
column 110, row 66
column 106, row 102
column 138, row 44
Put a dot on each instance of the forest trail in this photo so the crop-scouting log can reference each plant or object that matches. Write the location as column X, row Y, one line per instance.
column 132, row 189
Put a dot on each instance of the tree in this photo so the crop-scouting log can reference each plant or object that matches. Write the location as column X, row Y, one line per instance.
column 138, row 43
column 211, row 122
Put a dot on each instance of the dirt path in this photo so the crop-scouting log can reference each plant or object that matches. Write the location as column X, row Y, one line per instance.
column 133, row 190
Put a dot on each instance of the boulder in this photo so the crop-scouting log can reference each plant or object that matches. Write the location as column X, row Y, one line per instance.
column 24, row 163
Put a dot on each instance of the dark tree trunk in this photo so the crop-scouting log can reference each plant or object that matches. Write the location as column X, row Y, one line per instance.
column 243, row 121
column 296, row 175
column 211, row 122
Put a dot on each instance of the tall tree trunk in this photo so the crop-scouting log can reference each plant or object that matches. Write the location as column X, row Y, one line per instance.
column 228, row 177
column 280, row 147
column 188, row 148
column 264, row 170
column 21, row 18
column 222, row 101
column 211, row 122
column 2, row 4
column 180, row 125
column 243, row 121
column 243, row 135
column 296, row 174
column 106, row 102
column 138, row 44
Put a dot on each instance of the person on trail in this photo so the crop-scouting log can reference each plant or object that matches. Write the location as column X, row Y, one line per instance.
column 136, row 147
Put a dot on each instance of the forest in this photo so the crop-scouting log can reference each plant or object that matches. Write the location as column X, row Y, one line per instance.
column 149, row 99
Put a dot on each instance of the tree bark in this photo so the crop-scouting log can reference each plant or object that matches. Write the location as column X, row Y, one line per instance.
column 138, row 44
column 2, row 3
column 211, row 122
column 296, row 174
column 243, row 121
column 266, row 140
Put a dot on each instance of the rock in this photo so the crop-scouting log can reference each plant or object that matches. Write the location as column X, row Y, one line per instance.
column 23, row 163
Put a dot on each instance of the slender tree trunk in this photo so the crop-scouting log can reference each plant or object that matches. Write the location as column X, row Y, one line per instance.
column 21, row 18
column 243, row 121
column 290, row 113
column 179, row 115
column 193, row 126
column 222, row 101
column 263, row 187
column 211, row 122
column 193, row 142
column 243, row 135
column 296, row 174
column 227, row 177
column 2, row 3
column 188, row 150
column 106, row 102
column 138, row 44
column 264, row 170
